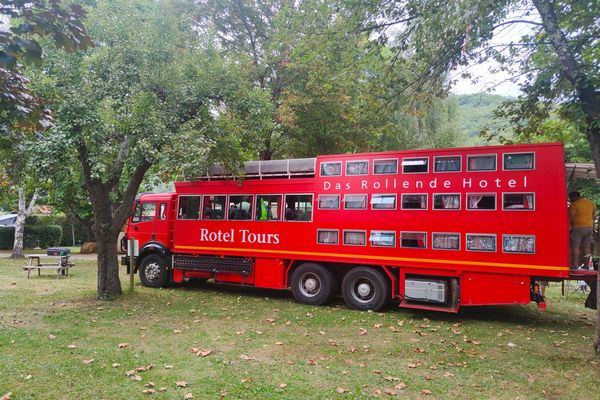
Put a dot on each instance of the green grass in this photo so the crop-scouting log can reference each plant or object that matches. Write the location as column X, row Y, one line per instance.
column 261, row 339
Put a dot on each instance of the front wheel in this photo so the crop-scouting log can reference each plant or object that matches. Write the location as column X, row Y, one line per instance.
column 365, row 289
column 153, row 271
column 313, row 284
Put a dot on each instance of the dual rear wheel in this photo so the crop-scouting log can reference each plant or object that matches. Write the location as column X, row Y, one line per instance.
column 362, row 288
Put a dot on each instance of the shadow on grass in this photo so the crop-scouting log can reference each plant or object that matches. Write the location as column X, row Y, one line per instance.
column 523, row 315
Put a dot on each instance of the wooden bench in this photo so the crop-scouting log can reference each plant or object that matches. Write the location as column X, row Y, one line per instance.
column 61, row 264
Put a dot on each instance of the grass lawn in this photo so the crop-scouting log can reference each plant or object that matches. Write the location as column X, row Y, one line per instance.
column 210, row 341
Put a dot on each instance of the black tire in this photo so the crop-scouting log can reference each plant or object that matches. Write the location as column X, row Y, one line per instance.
column 313, row 284
column 153, row 271
column 365, row 288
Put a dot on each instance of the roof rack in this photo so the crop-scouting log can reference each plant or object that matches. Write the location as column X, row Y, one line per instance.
column 291, row 168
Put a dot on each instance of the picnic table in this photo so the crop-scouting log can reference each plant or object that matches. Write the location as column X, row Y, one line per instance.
column 60, row 264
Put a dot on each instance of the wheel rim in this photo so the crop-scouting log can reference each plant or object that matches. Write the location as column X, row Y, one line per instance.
column 152, row 271
column 363, row 290
column 309, row 284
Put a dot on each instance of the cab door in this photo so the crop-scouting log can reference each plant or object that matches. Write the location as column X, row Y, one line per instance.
column 143, row 222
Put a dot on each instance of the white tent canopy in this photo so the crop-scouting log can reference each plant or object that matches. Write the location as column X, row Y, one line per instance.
column 580, row 171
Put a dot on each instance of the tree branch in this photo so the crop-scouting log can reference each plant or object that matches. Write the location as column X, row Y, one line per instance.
column 124, row 209
column 517, row 21
column 117, row 168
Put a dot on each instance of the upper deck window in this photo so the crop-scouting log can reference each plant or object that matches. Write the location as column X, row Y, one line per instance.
column 355, row 202
column 331, row 168
column 415, row 165
column 383, row 167
column 519, row 161
column 446, row 201
column 240, row 207
column 383, row 202
column 357, row 168
column 414, row 201
column 298, row 207
column 517, row 201
column 481, row 201
column 447, row 164
column 268, row 207
column 214, row 207
column 329, row 202
column 481, row 163
column 189, row 207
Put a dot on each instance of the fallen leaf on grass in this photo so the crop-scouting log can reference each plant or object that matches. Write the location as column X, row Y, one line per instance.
column 6, row 396
column 168, row 367
column 390, row 392
column 279, row 343
column 181, row 384
column 400, row 386
column 377, row 371
column 391, row 378
column 353, row 349
column 150, row 384
column 282, row 385
column 176, row 331
column 341, row 390
column 270, row 320
column 188, row 396
column 414, row 365
column 116, row 365
column 362, row 331
column 377, row 326
column 88, row 361
column 530, row 378
column 51, row 337
column 246, row 380
column 426, row 392
column 510, row 344
column 247, row 358
column 312, row 362
column 448, row 374
column 201, row 352
column 149, row 391
column 72, row 346
column 136, row 378
column 123, row 345
column 259, row 332
column 28, row 377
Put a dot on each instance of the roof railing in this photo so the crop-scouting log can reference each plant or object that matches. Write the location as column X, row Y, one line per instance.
column 290, row 168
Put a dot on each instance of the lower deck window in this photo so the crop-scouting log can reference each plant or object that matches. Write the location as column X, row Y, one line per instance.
column 268, row 207
column 189, row 207
column 327, row 236
column 298, row 207
column 329, row 202
column 518, row 244
column 355, row 202
column 416, row 240
column 383, row 202
column 446, row 241
column 476, row 242
column 383, row 238
column 214, row 207
column 355, row 238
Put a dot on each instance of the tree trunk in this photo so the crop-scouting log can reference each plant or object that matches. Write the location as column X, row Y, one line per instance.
column 109, row 285
column 22, row 214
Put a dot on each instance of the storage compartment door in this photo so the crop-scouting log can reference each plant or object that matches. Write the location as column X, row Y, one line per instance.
column 268, row 273
column 489, row 289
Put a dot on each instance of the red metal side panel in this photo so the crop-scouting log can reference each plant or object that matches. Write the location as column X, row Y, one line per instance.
column 488, row 289
column 269, row 273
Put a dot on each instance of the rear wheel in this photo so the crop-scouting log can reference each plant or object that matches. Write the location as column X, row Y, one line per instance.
column 313, row 284
column 365, row 289
column 153, row 271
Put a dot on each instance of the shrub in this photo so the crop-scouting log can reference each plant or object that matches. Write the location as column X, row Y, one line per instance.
column 34, row 235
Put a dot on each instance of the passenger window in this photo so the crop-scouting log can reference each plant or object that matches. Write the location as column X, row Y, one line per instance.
column 481, row 201
column 518, row 244
column 189, row 207
column 517, row 161
column 268, row 208
column 517, row 201
column 481, row 163
column 446, row 201
column 331, row 168
column 383, row 167
column 327, row 236
column 415, row 240
column 214, row 207
column 298, row 207
column 383, row 238
column 240, row 207
column 355, row 202
column 329, row 202
column 148, row 211
column 414, row 201
column 445, row 241
column 383, row 202
column 415, row 165
column 357, row 167
column 447, row 164
column 481, row 242
column 355, row 238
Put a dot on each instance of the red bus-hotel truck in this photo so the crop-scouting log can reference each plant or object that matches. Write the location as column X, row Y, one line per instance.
column 431, row 229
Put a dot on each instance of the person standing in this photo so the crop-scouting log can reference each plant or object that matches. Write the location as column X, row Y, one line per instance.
column 581, row 218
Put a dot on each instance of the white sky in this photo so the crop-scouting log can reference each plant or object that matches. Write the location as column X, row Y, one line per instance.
column 487, row 79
